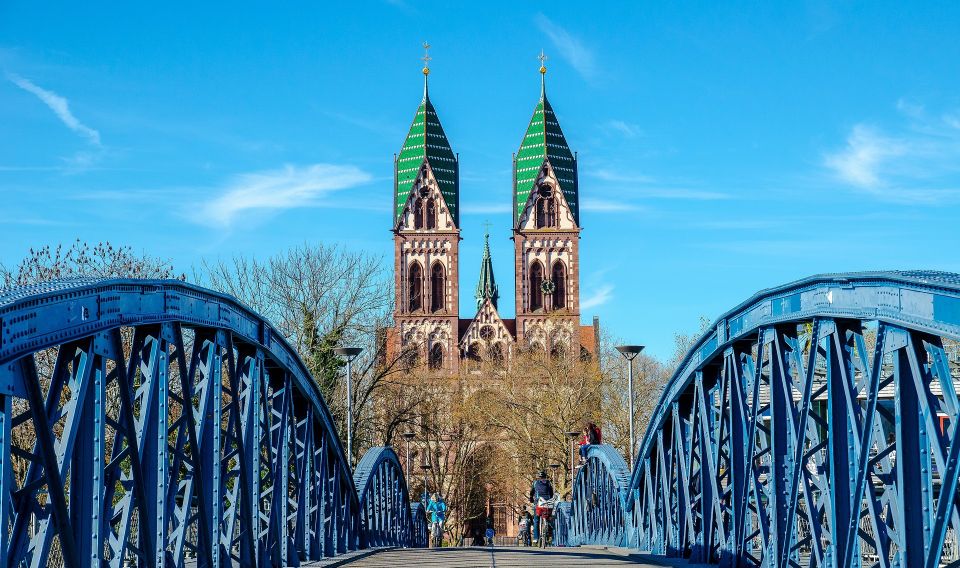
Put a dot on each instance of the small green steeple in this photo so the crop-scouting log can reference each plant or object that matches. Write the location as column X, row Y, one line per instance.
column 487, row 287
column 427, row 143
column 544, row 142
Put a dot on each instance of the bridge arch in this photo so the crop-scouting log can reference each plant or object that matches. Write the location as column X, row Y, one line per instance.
column 814, row 424
column 385, row 513
column 169, row 421
column 600, row 499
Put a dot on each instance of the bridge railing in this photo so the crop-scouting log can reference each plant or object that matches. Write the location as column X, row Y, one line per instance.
column 813, row 425
column 156, row 421
column 600, row 499
column 562, row 525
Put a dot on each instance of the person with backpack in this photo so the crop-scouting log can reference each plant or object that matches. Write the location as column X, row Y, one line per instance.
column 541, row 490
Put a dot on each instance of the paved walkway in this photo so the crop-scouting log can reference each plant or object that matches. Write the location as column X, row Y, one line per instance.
column 499, row 557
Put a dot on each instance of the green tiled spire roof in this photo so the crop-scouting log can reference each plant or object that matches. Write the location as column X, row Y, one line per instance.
column 487, row 287
column 426, row 142
column 544, row 142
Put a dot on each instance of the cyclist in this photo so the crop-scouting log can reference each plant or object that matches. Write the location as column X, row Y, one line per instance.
column 437, row 509
column 524, row 522
column 541, row 492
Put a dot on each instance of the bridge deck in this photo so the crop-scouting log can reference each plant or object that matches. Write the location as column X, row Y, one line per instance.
column 499, row 557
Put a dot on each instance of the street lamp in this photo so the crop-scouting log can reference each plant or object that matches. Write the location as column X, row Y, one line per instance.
column 425, row 467
column 630, row 353
column 349, row 353
column 408, row 436
column 572, row 434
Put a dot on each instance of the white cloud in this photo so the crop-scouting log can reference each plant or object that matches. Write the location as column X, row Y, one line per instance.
column 608, row 175
column 626, row 129
column 570, row 48
column 916, row 162
column 601, row 296
column 59, row 105
column 867, row 152
column 287, row 188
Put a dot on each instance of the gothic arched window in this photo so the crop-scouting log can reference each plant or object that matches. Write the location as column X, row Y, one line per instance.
column 415, row 288
column 546, row 207
column 536, row 286
column 418, row 214
column 436, row 287
column 436, row 356
column 431, row 221
column 559, row 286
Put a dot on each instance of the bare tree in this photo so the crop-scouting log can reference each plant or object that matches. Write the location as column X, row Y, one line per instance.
column 321, row 297
column 80, row 259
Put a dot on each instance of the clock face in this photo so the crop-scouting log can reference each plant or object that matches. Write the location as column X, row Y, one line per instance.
column 547, row 287
column 486, row 332
column 545, row 191
column 424, row 192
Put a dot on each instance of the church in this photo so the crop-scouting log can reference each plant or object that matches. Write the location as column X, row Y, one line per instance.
column 426, row 233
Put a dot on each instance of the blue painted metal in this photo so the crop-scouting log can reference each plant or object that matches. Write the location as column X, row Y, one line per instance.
column 600, row 499
column 419, row 527
column 813, row 425
column 385, row 513
column 171, row 424
column 562, row 524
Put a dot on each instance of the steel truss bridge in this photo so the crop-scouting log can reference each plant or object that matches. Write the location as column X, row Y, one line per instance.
column 813, row 425
column 156, row 424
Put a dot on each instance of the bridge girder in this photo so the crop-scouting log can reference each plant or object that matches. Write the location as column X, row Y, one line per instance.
column 157, row 421
column 813, row 425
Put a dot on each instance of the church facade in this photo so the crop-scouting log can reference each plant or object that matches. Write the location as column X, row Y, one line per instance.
column 426, row 234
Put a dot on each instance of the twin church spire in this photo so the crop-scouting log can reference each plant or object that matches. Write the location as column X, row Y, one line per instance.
column 426, row 227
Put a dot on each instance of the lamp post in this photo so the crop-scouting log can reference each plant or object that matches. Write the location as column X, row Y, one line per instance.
column 572, row 434
column 349, row 353
column 408, row 436
column 425, row 467
column 630, row 353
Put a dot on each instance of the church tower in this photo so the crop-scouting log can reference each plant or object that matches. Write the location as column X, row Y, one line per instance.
column 546, row 233
column 426, row 241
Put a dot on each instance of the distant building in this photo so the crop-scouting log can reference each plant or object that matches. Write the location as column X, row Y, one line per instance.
column 546, row 235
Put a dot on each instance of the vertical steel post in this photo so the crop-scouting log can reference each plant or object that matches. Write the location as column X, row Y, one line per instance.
column 350, row 412
column 630, row 398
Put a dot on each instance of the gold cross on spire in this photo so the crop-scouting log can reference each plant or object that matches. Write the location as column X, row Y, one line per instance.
column 543, row 62
column 486, row 225
column 426, row 58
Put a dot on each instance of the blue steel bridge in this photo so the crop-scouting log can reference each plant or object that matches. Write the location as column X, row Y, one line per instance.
column 156, row 423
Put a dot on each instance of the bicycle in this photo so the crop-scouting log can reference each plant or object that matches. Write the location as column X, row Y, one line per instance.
column 544, row 512
column 436, row 534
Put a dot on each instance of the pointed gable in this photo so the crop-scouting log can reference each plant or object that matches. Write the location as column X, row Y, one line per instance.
column 486, row 327
column 544, row 142
column 426, row 142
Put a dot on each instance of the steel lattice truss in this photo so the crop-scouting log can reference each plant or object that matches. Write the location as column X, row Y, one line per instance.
column 814, row 425
column 161, row 423
column 598, row 509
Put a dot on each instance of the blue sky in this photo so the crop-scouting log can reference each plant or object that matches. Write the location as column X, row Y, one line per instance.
column 724, row 147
